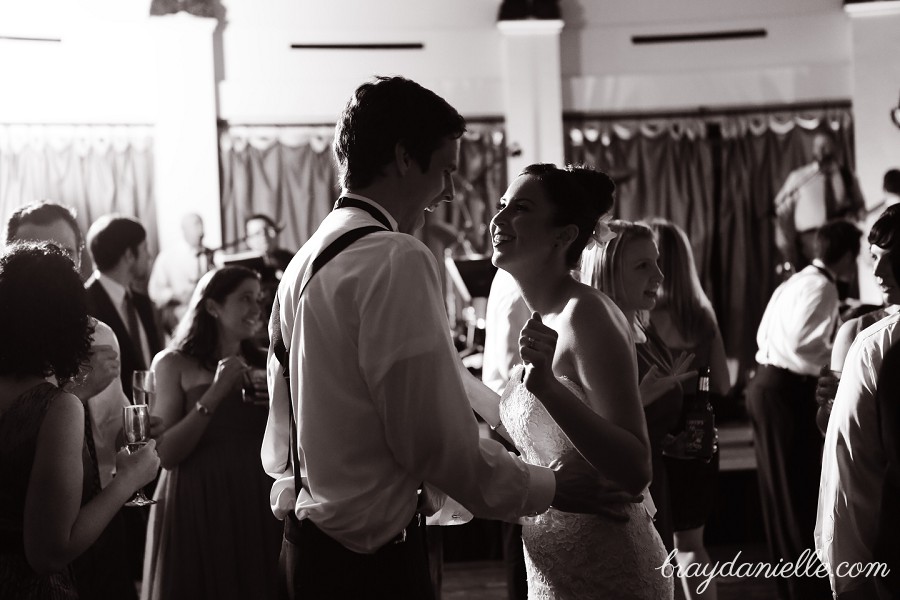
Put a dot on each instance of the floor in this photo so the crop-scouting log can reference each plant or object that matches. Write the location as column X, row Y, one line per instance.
column 486, row 580
column 726, row 535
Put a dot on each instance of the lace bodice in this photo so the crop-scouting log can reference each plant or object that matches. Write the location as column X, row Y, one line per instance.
column 575, row 556
column 530, row 425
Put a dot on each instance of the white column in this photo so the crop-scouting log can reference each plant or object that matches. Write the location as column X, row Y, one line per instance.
column 532, row 83
column 186, row 177
column 876, row 86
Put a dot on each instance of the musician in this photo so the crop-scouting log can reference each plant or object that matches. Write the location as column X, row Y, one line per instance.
column 177, row 270
column 261, row 235
column 812, row 195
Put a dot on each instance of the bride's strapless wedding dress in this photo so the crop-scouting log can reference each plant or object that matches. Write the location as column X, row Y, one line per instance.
column 574, row 556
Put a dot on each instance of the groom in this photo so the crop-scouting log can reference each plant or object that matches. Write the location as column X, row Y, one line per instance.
column 375, row 385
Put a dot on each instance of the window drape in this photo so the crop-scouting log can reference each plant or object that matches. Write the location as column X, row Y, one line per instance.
column 96, row 169
column 285, row 172
column 757, row 154
column 663, row 169
column 715, row 175
column 288, row 173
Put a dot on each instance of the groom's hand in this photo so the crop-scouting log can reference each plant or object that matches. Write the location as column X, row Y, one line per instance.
column 580, row 489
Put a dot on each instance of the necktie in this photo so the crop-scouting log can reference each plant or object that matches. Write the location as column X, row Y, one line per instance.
column 831, row 204
column 134, row 330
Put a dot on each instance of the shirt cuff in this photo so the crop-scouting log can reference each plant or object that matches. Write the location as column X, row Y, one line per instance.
column 541, row 490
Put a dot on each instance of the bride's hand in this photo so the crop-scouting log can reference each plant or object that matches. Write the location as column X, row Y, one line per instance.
column 537, row 345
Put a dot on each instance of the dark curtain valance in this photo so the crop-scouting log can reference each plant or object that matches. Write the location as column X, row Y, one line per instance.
column 288, row 172
column 715, row 175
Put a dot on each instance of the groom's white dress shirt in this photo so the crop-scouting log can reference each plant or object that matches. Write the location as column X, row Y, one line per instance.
column 853, row 461
column 378, row 397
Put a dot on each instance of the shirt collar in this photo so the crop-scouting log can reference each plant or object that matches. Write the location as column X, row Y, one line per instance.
column 825, row 270
column 114, row 289
column 393, row 221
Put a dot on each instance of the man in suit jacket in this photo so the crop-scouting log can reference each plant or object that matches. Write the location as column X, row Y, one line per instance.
column 118, row 247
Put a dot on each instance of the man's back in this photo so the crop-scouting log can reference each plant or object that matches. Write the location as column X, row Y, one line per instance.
column 381, row 405
column 853, row 461
column 799, row 323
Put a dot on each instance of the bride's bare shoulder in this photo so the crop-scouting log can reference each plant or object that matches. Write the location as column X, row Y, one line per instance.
column 591, row 307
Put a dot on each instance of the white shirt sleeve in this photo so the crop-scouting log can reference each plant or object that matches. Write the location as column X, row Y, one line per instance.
column 106, row 410
column 410, row 368
column 849, row 492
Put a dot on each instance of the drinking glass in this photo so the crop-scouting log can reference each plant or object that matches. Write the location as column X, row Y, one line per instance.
column 137, row 433
column 143, row 384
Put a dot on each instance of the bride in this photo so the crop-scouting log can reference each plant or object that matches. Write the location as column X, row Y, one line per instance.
column 578, row 391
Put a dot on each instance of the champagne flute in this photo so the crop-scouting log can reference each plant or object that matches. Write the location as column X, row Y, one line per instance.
column 137, row 434
column 137, row 421
column 143, row 384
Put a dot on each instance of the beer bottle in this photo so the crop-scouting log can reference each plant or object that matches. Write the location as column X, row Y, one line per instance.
column 700, row 423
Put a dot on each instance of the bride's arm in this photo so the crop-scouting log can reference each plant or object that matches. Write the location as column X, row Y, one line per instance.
column 610, row 432
column 483, row 401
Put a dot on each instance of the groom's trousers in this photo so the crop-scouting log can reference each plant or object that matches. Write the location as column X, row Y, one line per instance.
column 313, row 566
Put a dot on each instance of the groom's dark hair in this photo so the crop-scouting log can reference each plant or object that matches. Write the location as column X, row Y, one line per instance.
column 385, row 112
column 885, row 234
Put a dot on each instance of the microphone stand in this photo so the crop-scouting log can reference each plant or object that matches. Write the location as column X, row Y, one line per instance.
column 224, row 246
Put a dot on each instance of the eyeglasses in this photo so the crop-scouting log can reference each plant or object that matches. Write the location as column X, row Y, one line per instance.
column 267, row 232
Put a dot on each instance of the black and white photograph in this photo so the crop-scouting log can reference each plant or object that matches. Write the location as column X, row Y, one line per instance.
column 469, row 300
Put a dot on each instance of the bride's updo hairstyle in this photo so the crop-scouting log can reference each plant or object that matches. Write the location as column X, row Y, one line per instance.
column 580, row 195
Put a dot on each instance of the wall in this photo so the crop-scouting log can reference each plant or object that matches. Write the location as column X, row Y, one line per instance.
column 114, row 65
column 876, row 81
column 602, row 70
column 106, row 67
column 605, row 71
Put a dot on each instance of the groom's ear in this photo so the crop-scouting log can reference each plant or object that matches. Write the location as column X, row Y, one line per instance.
column 402, row 159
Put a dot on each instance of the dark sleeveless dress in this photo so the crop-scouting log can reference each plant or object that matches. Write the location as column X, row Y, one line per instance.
column 19, row 428
column 687, row 486
column 212, row 533
column 662, row 419
column 693, row 484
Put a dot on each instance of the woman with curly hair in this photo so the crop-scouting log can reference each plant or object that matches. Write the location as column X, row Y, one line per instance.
column 50, row 507
column 212, row 533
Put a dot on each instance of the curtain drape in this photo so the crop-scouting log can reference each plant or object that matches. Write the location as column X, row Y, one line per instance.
column 663, row 169
column 285, row 172
column 758, row 151
column 96, row 169
column 715, row 175
column 288, row 172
